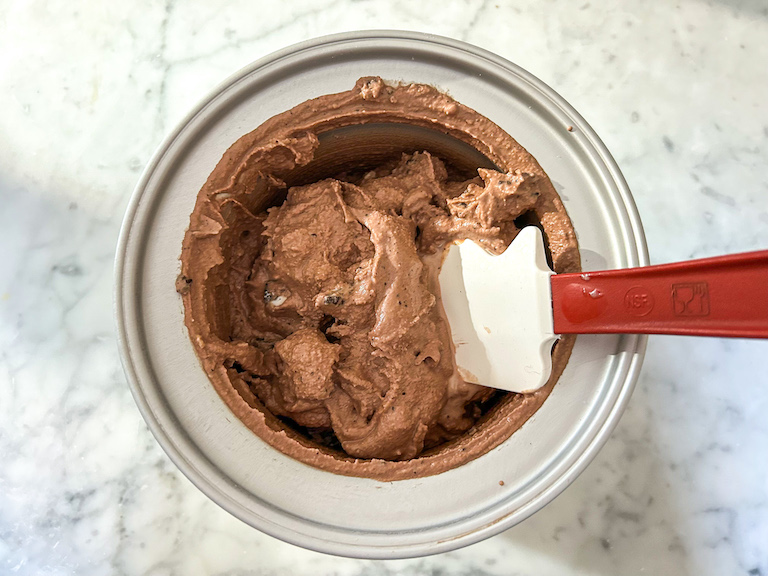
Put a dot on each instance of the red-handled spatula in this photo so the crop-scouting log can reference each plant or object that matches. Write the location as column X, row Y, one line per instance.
column 506, row 311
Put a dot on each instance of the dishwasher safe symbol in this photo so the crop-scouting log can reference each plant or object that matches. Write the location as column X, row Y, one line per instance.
column 690, row 299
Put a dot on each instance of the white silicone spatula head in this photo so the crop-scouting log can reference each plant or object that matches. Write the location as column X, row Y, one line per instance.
column 500, row 312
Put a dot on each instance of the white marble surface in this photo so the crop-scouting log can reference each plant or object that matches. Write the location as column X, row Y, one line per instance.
column 677, row 90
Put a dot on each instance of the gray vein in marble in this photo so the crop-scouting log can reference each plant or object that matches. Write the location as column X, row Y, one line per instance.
column 722, row 198
column 264, row 34
column 480, row 10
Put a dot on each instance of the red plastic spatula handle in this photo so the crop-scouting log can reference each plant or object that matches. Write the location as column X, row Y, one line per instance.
column 721, row 296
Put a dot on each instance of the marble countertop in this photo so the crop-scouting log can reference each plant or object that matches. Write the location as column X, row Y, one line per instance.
column 677, row 90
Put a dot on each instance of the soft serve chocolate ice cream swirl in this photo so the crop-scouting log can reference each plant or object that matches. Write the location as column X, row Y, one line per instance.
column 314, row 304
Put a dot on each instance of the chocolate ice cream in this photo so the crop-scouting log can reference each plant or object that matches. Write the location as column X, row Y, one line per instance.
column 310, row 280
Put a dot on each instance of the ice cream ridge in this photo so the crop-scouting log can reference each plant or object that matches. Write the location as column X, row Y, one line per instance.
column 309, row 276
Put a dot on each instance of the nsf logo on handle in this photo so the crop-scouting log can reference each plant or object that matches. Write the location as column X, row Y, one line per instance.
column 638, row 301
